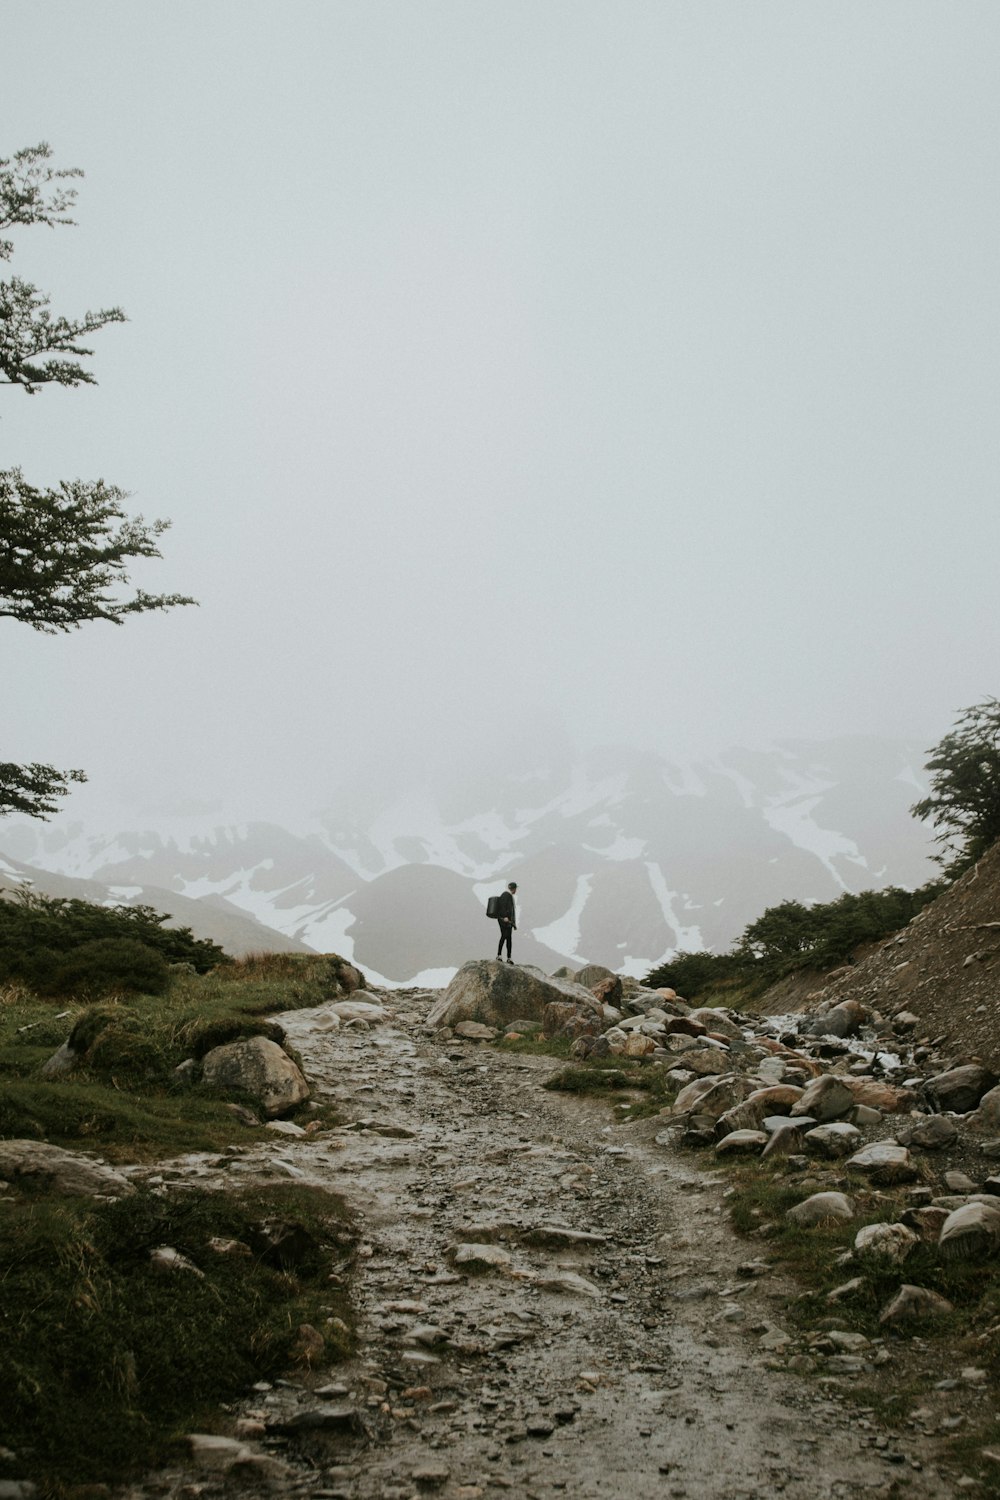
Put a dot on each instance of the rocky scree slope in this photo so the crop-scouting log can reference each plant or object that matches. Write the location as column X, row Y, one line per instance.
column 944, row 968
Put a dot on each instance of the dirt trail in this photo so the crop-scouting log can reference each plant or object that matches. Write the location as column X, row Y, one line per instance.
column 646, row 1377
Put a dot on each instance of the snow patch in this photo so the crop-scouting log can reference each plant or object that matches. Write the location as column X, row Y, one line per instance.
column 563, row 934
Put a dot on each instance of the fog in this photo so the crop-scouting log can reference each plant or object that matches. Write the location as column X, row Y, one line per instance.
column 513, row 371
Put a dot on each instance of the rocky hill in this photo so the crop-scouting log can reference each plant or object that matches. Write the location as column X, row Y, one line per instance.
column 943, row 969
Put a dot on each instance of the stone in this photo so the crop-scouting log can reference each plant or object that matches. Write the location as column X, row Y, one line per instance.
column 905, row 1021
column 475, row 1031
column 258, row 1067
column 61, row 1062
column 481, row 1257
column 786, row 1140
column 568, row 1283
column 496, row 994
column 887, row 1242
column 571, row 1019
column 210, row 1451
column 833, row 1140
column 607, row 992
column 166, row 1261
column 926, row 1220
column 639, row 1046
column 705, row 1061
column 960, row 1089
column 685, row 1026
column 285, row 1127
column 912, row 1303
column 884, row 1097
column 839, row 1021
column 825, row 1098
column 959, row 1182
column 710, row 1096
column 358, row 1010
column 594, row 974
column 884, row 1163
column 970, row 1232
column 38, row 1165
column 308, row 1345
column 986, row 1116
column 930, row 1133
column 718, row 1021
column 742, row 1143
column 821, row 1208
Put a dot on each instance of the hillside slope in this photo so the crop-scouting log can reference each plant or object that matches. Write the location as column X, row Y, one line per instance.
column 944, row 967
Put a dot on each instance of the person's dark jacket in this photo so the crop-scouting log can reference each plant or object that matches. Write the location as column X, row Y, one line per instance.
column 505, row 908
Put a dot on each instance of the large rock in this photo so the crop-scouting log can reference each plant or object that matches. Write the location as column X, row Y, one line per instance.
column 986, row 1117
column 971, row 1232
column 881, row 1096
column 720, row 1022
column 912, row 1303
column 840, row 1021
column 565, row 1018
column 887, row 1242
column 36, row 1164
column 710, row 1096
column 592, row 974
column 931, row 1133
column 821, row 1208
column 260, row 1068
column 833, row 1140
column 497, row 993
column 960, row 1089
column 884, row 1163
column 824, row 1099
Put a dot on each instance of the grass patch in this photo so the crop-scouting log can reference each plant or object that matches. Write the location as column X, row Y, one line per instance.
column 107, row 1361
column 123, row 1094
column 536, row 1046
column 609, row 1075
column 810, row 1254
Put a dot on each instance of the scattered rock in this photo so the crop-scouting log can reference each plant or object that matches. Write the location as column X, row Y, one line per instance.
column 820, row 1208
column 260, row 1068
column 912, row 1303
column 887, row 1242
column 38, row 1165
column 884, row 1163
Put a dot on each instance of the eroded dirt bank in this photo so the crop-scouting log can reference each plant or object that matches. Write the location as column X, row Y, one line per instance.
column 622, row 1346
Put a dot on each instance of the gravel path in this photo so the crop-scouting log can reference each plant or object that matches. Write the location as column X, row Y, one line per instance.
column 628, row 1362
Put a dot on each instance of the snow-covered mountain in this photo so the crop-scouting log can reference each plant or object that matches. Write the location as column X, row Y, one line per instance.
column 621, row 856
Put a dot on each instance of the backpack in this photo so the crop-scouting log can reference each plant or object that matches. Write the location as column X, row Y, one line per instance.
column 492, row 904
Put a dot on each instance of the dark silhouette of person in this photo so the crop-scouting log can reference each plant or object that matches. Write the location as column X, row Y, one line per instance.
column 507, row 917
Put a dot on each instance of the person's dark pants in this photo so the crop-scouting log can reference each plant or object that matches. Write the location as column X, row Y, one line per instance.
column 506, row 933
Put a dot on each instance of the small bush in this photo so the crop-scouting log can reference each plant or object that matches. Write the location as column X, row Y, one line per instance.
column 110, row 966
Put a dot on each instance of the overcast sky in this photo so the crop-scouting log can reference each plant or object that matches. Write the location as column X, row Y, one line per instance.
column 635, row 363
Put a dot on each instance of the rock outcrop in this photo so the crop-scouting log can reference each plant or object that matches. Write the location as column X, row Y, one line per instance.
column 497, row 994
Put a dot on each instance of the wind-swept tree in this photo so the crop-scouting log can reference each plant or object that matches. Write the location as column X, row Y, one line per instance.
column 964, row 804
column 64, row 552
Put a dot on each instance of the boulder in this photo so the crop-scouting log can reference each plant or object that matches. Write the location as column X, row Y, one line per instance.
column 930, row 1133
column 720, row 1022
column 592, row 974
column 960, row 1089
column 260, row 1068
column 497, row 993
column 971, row 1232
column 840, row 1021
column 565, row 1018
column 777, row 1098
column 926, row 1220
column 884, row 1097
column 833, row 1140
column 638, row 1045
column 742, row 1143
column 358, row 1010
column 912, row 1303
column 821, row 1208
column 710, row 1096
column 884, row 1163
column 607, row 991
column 685, row 1026
column 985, row 1118
column 786, row 1140
column 36, row 1164
column 704, row 1060
column 886, row 1242
column 825, row 1098
column 475, row 1031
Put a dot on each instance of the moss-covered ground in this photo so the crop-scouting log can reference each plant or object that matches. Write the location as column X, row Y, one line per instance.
column 107, row 1362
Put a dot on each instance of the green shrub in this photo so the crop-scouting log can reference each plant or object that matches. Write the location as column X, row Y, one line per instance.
column 104, row 1360
column 110, row 966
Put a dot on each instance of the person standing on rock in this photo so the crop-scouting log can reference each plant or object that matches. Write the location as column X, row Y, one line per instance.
column 507, row 917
